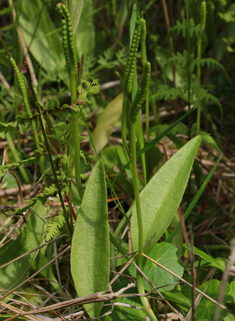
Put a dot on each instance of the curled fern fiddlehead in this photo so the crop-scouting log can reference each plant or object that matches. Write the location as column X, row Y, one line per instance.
column 130, row 66
column 141, row 93
column 22, row 87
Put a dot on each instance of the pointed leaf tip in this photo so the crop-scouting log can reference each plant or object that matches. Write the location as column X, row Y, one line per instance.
column 161, row 197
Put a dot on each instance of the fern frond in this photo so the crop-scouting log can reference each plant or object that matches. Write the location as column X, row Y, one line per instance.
column 181, row 60
column 212, row 63
column 216, row 101
column 207, row 138
column 167, row 93
column 54, row 226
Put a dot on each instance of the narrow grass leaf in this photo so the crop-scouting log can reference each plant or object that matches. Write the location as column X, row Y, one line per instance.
column 161, row 197
column 90, row 244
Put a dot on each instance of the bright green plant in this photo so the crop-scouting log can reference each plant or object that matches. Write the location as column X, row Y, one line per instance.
column 155, row 200
column 71, row 63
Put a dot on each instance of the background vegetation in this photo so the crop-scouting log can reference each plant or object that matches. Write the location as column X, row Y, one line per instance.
column 190, row 46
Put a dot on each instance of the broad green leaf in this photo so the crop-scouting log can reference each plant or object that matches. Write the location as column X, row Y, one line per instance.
column 167, row 255
column 206, row 309
column 29, row 239
column 77, row 6
column 161, row 197
column 90, row 251
column 229, row 317
column 231, row 303
column 84, row 35
column 134, row 311
column 46, row 46
column 106, row 123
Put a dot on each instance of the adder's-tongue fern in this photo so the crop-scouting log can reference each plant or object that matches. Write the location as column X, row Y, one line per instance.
column 68, row 43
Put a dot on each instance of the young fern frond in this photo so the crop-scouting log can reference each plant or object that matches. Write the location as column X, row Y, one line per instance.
column 141, row 93
column 22, row 87
column 54, row 226
column 131, row 62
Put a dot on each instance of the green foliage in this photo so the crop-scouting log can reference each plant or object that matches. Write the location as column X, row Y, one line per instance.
column 167, row 255
column 158, row 209
column 141, row 93
column 29, row 239
column 22, row 86
column 48, row 135
column 131, row 62
column 90, row 244
column 68, row 44
column 54, row 226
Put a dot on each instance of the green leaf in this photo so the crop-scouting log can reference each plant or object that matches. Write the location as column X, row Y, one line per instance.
column 46, row 46
column 106, row 122
column 29, row 239
column 47, row 273
column 167, row 255
column 200, row 253
column 206, row 309
column 90, row 244
column 84, row 35
column 161, row 197
column 176, row 296
column 77, row 13
column 220, row 263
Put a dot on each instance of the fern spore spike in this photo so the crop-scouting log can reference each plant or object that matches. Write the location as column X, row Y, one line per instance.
column 22, row 87
column 141, row 93
column 131, row 62
column 143, row 41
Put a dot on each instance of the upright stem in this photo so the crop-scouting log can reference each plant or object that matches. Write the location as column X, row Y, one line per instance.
column 140, row 284
column 76, row 136
column 189, row 76
column 123, row 128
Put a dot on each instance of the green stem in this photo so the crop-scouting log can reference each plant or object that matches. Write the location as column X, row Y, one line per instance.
column 140, row 284
column 147, row 116
column 76, row 136
column 137, row 194
column 199, row 106
column 189, row 76
column 53, row 167
column 123, row 128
